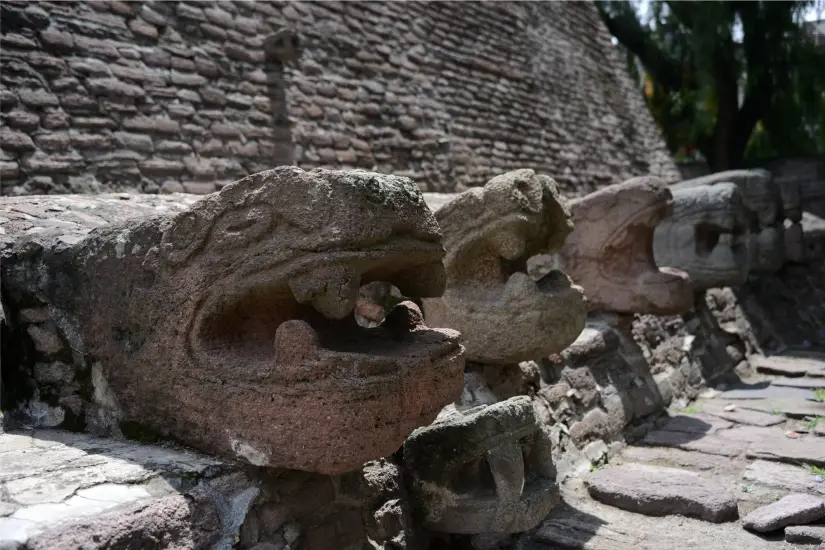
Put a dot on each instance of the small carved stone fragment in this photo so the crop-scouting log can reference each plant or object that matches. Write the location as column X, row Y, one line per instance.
column 503, row 314
column 610, row 252
column 705, row 236
column 484, row 470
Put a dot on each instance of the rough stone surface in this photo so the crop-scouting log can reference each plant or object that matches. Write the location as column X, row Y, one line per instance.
column 763, row 200
column 796, row 451
column 658, row 491
column 447, row 462
column 490, row 233
column 251, row 289
column 61, row 490
column 434, row 91
column 793, row 509
column 610, row 252
column 789, row 366
column 805, row 534
column 705, row 236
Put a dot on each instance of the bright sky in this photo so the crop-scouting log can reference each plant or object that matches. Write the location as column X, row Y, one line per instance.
column 813, row 13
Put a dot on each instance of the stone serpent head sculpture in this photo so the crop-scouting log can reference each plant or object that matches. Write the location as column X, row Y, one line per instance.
column 610, row 252
column 706, row 236
column 229, row 326
column 762, row 199
column 490, row 232
column 484, row 470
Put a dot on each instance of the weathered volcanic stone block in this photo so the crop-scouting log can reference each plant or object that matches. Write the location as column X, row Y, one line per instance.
column 790, row 510
column 705, row 236
column 486, row 470
column 762, row 199
column 759, row 193
column 805, row 534
column 228, row 325
column 610, row 252
column 503, row 315
column 657, row 491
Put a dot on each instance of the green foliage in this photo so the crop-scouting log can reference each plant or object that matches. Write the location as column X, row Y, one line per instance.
column 733, row 80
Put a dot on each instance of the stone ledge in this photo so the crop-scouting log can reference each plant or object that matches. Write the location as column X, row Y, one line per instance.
column 59, row 489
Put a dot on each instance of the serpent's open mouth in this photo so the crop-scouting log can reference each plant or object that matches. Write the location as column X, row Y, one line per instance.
column 297, row 325
column 503, row 313
column 630, row 251
column 724, row 233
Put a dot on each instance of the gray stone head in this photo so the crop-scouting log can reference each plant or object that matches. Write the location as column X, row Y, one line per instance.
column 490, row 232
column 484, row 470
column 706, row 236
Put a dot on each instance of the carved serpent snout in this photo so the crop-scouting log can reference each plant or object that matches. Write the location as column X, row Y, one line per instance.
column 706, row 236
column 490, row 233
column 610, row 252
column 239, row 310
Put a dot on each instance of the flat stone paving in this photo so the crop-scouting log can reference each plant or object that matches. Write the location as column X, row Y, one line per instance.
column 61, row 490
column 759, row 441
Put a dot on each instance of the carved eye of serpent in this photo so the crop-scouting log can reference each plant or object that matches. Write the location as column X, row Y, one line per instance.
column 242, row 226
column 186, row 235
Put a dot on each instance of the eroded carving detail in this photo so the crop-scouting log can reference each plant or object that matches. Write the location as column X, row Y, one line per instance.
column 490, row 233
column 228, row 326
column 484, row 470
column 610, row 252
column 705, row 236
column 763, row 201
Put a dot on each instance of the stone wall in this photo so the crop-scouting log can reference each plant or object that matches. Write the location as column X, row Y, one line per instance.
column 173, row 96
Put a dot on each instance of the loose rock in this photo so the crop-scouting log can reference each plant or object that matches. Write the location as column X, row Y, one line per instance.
column 790, row 510
column 658, row 491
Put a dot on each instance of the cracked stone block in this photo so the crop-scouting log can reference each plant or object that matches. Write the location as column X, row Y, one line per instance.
column 62, row 491
column 226, row 323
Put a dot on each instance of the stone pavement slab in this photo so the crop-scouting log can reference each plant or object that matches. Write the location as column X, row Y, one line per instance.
column 767, row 390
column 808, row 450
column 789, row 477
column 793, row 509
column 61, row 490
column 660, row 491
column 792, row 408
column 709, row 444
column 816, row 383
column 590, row 525
column 737, row 414
column 805, row 534
column 788, row 366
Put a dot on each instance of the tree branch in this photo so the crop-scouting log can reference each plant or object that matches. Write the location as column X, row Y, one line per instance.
column 626, row 28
